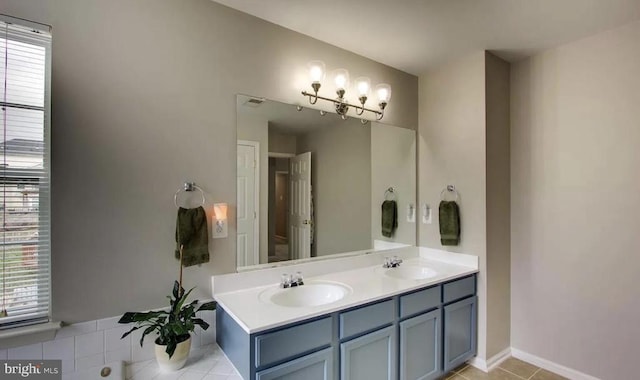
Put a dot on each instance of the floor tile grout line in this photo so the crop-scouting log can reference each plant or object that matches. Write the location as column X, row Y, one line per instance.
column 538, row 370
column 516, row 375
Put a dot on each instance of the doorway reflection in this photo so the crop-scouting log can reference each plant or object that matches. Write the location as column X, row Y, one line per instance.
column 279, row 209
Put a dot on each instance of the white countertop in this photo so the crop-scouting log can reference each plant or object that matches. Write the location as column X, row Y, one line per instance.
column 367, row 283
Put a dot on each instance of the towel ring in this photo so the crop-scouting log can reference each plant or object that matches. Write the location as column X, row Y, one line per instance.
column 447, row 190
column 188, row 187
column 390, row 192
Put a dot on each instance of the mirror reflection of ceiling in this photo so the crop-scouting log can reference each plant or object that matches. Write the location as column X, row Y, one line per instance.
column 414, row 36
column 285, row 118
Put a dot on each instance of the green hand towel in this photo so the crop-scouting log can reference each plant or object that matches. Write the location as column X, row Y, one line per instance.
column 193, row 233
column 389, row 218
column 449, row 214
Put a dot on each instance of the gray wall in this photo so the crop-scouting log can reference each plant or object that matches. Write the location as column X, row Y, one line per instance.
column 464, row 141
column 341, row 186
column 452, row 152
column 575, row 192
column 393, row 164
column 498, row 205
column 143, row 98
column 279, row 143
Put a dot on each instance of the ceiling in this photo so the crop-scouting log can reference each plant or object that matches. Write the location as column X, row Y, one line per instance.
column 414, row 35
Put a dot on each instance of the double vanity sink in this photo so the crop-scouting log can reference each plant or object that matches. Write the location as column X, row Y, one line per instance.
column 416, row 320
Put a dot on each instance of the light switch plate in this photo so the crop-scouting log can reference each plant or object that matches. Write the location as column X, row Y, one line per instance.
column 411, row 213
column 426, row 213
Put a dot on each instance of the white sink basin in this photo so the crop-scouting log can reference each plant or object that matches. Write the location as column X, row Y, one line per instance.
column 410, row 272
column 313, row 293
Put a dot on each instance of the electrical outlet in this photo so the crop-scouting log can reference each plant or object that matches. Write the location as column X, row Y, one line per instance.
column 219, row 229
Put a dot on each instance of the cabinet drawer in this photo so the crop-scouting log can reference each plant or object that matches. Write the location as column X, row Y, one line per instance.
column 291, row 342
column 366, row 318
column 458, row 289
column 420, row 301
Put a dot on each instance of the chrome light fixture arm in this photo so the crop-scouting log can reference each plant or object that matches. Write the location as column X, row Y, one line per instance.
column 316, row 87
column 313, row 98
column 363, row 100
column 380, row 114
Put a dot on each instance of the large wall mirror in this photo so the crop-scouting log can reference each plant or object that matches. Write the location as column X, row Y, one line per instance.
column 312, row 185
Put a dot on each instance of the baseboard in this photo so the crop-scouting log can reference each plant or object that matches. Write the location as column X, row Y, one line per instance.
column 493, row 362
column 551, row 366
column 480, row 364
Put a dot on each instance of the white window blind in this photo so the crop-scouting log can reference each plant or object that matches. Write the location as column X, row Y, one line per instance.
column 25, row 274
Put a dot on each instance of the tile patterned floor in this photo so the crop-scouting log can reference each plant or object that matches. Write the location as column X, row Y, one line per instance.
column 510, row 369
column 205, row 363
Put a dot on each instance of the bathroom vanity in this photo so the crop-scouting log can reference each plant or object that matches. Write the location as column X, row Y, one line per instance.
column 417, row 321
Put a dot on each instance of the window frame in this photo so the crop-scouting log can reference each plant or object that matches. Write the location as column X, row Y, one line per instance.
column 28, row 34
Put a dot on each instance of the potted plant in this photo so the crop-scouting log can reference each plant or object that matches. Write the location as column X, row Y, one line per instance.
column 173, row 327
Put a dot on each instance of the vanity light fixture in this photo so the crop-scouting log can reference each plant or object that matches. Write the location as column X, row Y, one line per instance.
column 341, row 79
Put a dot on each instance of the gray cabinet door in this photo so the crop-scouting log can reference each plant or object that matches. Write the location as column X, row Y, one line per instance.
column 459, row 332
column 316, row 366
column 369, row 357
column 420, row 347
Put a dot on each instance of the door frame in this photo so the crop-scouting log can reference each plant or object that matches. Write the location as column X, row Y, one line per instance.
column 256, row 194
column 281, row 155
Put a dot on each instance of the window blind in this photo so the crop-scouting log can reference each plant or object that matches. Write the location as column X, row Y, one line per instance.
column 25, row 273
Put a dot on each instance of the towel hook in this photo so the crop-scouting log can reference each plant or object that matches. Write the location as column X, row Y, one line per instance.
column 188, row 187
column 447, row 190
column 390, row 192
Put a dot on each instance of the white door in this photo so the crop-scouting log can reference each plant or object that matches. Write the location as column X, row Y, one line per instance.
column 247, row 214
column 300, row 207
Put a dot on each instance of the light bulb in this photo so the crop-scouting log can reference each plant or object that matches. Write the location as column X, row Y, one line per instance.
column 363, row 84
column 316, row 71
column 383, row 91
column 220, row 211
column 341, row 78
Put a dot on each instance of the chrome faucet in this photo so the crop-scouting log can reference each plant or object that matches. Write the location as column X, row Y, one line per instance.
column 392, row 262
column 290, row 281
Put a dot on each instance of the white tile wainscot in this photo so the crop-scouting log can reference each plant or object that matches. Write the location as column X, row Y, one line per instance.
column 94, row 343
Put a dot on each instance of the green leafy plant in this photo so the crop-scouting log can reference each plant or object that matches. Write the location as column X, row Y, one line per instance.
column 173, row 326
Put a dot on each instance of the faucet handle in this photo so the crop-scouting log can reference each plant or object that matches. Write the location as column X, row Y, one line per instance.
column 285, row 280
column 297, row 278
column 392, row 262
